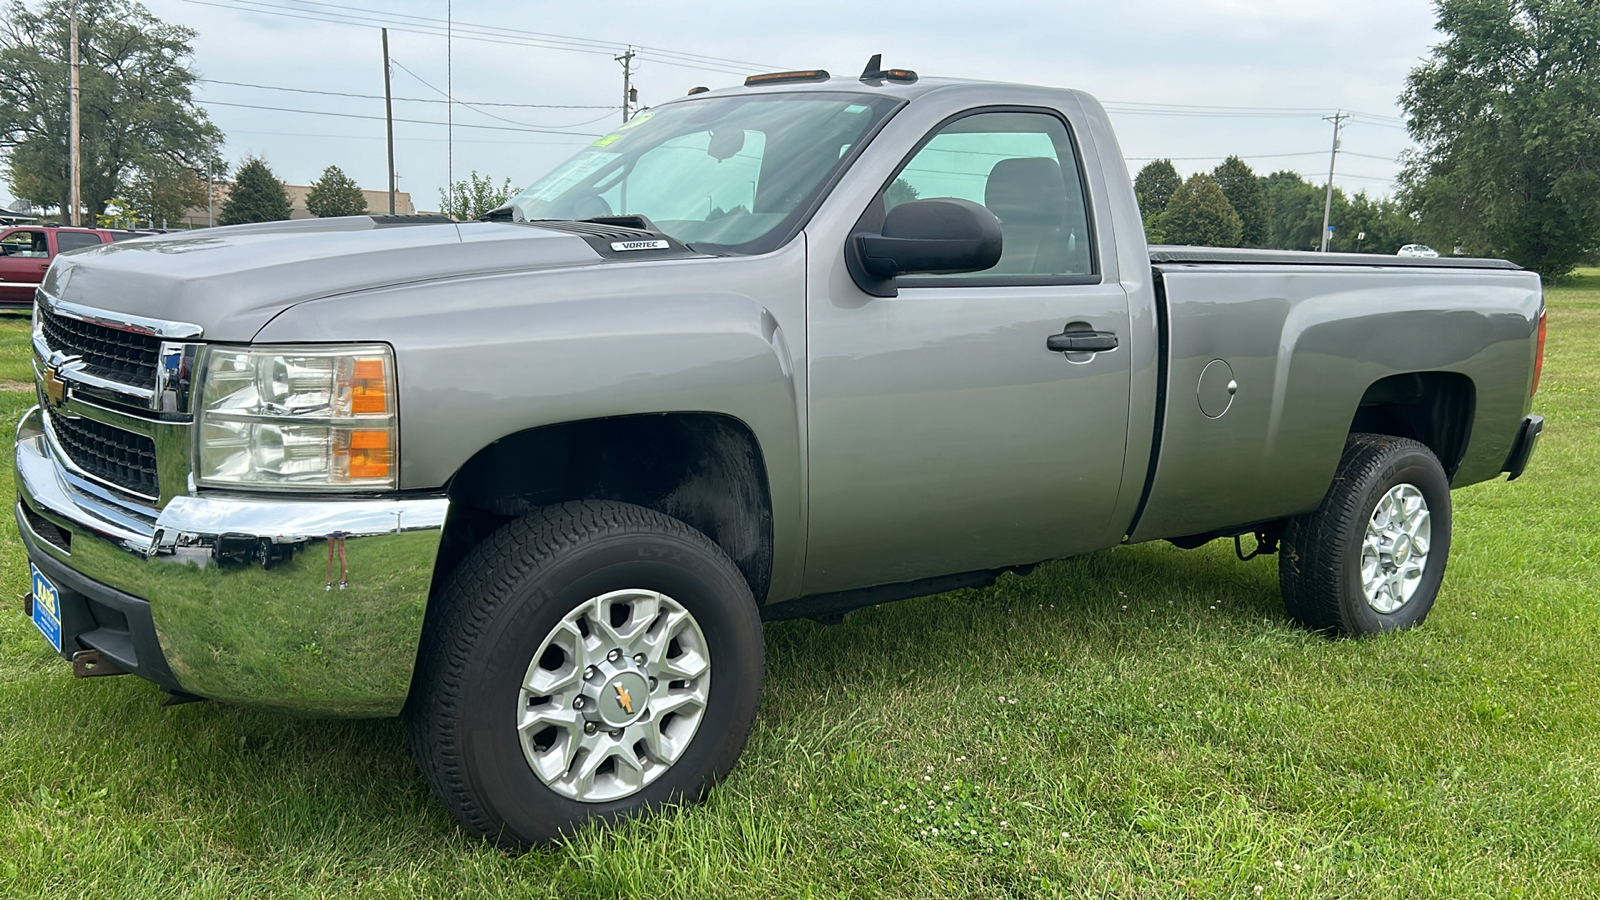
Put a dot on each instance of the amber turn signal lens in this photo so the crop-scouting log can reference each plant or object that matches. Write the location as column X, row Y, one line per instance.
column 370, row 456
column 369, row 392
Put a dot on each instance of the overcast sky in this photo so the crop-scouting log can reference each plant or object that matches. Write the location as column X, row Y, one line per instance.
column 1287, row 62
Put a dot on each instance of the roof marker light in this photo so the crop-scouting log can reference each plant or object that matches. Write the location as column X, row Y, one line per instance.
column 874, row 72
column 785, row 77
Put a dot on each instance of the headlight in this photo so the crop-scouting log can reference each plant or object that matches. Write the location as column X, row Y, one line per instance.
column 298, row 417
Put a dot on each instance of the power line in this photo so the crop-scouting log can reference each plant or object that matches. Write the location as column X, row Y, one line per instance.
column 401, row 66
column 590, row 43
column 1196, row 114
column 274, row 87
column 1199, row 106
column 319, row 112
column 1221, row 156
column 377, row 137
column 347, row 15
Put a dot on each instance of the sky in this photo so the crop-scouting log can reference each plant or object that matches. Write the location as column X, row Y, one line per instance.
column 1192, row 80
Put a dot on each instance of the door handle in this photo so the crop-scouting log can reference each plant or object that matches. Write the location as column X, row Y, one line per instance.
column 1082, row 341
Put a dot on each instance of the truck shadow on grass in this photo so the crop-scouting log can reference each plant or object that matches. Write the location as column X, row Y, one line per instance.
column 251, row 782
column 1087, row 605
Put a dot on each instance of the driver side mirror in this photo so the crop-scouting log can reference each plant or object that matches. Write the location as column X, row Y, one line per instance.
column 924, row 237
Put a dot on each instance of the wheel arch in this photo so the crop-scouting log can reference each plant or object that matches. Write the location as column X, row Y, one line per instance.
column 705, row 469
column 1435, row 408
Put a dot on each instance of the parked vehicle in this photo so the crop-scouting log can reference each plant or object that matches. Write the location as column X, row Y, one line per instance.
column 26, row 252
column 773, row 351
column 1421, row 251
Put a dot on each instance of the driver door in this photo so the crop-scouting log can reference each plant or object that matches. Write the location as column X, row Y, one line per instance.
column 945, row 436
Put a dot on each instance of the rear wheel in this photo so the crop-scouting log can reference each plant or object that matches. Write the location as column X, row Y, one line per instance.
column 589, row 661
column 1371, row 558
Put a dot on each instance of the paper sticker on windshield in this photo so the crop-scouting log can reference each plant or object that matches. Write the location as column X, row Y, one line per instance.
column 640, row 119
column 561, row 180
column 607, row 141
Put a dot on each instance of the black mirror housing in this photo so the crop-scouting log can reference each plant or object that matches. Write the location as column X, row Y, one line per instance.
column 925, row 237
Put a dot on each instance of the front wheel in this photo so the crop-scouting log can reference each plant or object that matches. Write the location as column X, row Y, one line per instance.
column 588, row 661
column 1371, row 558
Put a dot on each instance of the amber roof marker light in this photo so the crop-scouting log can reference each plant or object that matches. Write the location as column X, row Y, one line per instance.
column 787, row 77
column 875, row 73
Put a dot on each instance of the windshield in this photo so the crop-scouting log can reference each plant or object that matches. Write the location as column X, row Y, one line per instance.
column 727, row 171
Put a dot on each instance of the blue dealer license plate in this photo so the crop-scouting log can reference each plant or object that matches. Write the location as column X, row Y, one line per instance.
column 46, row 607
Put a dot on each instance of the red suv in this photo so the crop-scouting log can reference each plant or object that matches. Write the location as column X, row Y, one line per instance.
column 26, row 252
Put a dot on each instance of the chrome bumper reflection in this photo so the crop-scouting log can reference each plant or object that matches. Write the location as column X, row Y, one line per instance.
column 314, row 606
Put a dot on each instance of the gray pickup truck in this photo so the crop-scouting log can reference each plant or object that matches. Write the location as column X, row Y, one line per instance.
column 780, row 350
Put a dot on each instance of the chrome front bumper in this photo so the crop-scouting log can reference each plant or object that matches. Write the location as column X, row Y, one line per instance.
column 308, row 605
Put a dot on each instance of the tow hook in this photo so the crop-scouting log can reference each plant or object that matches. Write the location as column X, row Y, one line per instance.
column 91, row 664
column 27, row 603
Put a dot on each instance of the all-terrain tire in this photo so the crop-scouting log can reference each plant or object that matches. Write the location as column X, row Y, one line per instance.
column 1319, row 569
column 505, row 598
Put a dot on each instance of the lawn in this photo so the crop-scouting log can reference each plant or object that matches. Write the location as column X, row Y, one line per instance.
column 1143, row 722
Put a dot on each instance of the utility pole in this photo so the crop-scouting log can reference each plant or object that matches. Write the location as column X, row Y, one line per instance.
column 449, row 105
column 76, row 161
column 1327, row 205
column 388, row 116
column 629, row 94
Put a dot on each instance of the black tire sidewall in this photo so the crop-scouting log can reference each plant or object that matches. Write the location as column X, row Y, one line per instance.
column 1406, row 463
column 706, row 586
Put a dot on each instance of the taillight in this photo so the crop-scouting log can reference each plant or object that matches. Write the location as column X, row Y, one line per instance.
column 1538, row 359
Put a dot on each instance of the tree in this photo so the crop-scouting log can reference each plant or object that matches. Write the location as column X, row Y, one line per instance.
column 136, row 112
column 900, row 191
column 1154, row 186
column 335, row 194
column 256, row 196
column 1296, row 211
column 162, row 194
column 1245, row 194
column 1507, row 113
column 475, row 195
column 1199, row 214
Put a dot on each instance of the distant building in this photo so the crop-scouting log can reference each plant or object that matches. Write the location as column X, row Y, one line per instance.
column 17, row 212
column 377, row 204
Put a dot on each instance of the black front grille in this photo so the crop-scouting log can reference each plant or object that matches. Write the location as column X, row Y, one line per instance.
column 121, row 356
column 122, row 458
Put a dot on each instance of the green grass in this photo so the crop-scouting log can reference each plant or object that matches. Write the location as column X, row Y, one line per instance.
column 1138, row 723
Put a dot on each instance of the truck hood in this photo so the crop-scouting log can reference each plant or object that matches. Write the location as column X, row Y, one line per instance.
column 232, row 281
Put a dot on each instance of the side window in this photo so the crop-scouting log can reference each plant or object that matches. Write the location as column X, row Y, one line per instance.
column 1023, row 168
column 74, row 240
column 26, row 243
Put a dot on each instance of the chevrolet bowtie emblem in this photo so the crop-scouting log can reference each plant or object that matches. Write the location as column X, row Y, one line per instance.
column 55, row 390
column 624, row 699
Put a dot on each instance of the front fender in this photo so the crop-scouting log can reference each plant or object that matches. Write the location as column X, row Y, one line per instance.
column 482, row 357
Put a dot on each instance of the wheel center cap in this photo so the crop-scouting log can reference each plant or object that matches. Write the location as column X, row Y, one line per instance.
column 623, row 698
column 1402, row 550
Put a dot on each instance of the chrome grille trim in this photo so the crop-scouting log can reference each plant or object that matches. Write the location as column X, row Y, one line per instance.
column 161, row 328
column 110, row 355
column 141, row 426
